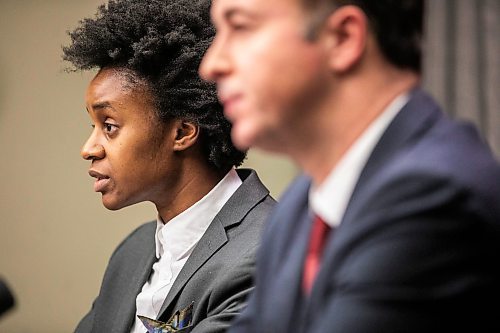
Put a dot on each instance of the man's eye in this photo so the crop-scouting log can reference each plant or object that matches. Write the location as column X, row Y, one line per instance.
column 238, row 26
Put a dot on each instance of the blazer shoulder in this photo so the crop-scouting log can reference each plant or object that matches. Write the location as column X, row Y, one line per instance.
column 454, row 153
column 250, row 202
column 424, row 147
column 247, row 211
column 447, row 164
column 140, row 238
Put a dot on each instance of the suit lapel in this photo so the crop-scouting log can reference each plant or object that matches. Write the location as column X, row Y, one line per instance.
column 416, row 117
column 281, row 272
column 249, row 194
column 297, row 302
column 212, row 240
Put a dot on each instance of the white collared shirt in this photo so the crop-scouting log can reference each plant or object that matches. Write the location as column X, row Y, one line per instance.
column 329, row 200
column 175, row 242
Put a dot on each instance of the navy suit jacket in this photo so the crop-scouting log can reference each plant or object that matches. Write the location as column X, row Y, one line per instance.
column 418, row 249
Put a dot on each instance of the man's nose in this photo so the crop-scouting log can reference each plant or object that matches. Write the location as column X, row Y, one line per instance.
column 215, row 62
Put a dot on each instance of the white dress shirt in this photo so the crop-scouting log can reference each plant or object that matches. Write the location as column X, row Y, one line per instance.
column 329, row 200
column 175, row 242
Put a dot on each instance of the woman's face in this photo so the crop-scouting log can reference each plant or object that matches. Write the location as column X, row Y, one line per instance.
column 130, row 149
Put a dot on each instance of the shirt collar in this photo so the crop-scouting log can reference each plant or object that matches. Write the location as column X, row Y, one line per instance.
column 329, row 200
column 183, row 232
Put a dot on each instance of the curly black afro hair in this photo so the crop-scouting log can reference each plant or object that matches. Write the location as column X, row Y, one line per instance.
column 162, row 42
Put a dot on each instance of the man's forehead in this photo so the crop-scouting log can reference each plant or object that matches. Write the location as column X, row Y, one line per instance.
column 221, row 9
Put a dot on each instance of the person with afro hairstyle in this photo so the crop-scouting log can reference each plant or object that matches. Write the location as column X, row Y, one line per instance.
column 159, row 135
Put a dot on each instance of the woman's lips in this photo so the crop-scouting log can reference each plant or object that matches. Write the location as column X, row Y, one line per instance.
column 101, row 180
column 100, row 184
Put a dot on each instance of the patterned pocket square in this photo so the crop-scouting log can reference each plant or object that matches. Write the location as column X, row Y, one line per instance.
column 179, row 320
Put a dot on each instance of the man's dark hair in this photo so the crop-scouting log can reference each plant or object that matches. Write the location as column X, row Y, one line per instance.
column 396, row 24
column 162, row 42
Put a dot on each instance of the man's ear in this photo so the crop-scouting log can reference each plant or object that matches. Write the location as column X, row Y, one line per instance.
column 186, row 135
column 345, row 32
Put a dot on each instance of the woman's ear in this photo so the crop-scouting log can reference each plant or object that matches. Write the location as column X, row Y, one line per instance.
column 186, row 135
column 345, row 32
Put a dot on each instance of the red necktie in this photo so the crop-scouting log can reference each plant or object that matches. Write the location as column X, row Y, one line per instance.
column 317, row 242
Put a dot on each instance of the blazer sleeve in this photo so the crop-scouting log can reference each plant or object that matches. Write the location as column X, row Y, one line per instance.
column 139, row 235
column 85, row 325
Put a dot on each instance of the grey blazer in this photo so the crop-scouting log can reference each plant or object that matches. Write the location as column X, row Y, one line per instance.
column 217, row 277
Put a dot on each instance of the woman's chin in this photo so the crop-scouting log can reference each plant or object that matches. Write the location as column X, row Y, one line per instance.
column 111, row 203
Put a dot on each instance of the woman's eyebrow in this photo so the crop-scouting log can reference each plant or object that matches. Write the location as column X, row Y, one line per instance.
column 99, row 106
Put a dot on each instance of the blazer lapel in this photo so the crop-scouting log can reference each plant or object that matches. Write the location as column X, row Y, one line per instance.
column 251, row 192
column 282, row 275
column 296, row 301
column 212, row 240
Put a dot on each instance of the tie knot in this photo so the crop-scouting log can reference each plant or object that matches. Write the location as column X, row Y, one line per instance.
column 319, row 234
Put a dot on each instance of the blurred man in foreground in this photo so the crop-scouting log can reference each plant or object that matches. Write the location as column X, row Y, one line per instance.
column 395, row 224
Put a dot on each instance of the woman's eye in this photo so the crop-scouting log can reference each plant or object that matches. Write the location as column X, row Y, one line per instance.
column 109, row 128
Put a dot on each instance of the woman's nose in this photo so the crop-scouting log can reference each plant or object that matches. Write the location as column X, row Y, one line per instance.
column 92, row 150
